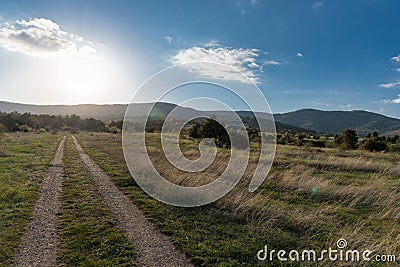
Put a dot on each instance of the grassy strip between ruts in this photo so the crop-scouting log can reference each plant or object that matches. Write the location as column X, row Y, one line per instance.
column 24, row 160
column 208, row 235
column 88, row 233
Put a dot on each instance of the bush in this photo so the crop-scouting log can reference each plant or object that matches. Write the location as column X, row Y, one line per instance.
column 113, row 130
column 194, row 131
column 314, row 143
column 25, row 128
column 374, row 144
column 394, row 147
column 211, row 128
column 349, row 139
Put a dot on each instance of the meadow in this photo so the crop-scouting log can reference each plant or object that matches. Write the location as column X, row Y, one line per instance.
column 311, row 198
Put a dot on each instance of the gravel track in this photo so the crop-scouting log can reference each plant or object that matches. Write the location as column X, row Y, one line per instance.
column 39, row 243
column 153, row 247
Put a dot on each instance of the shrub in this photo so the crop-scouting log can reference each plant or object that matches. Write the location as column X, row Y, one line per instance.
column 24, row 128
column 113, row 130
column 211, row 128
column 349, row 139
column 374, row 144
column 194, row 131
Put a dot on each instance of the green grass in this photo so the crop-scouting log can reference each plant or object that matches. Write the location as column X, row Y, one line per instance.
column 209, row 235
column 357, row 199
column 24, row 160
column 88, row 232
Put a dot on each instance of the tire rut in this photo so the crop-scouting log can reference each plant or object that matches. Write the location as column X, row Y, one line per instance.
column 39, row 243
column 153, row 247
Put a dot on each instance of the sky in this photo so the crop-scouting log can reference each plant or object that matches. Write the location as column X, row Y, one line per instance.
column 328, row 54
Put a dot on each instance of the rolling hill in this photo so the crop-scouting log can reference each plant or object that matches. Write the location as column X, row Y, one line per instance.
column 336, row 121
column 304, row 120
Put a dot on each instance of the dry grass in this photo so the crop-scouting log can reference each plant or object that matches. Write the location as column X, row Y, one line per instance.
column 320, row 195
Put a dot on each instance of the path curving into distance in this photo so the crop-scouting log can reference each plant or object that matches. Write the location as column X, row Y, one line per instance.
column 39, row 243
column 153, row 247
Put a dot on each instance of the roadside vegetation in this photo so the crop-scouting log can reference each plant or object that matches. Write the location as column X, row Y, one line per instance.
column 24, row 160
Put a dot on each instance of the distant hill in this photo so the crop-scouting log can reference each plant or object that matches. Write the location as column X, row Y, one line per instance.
column 336, row 121
column 117, row 112
column 103, row 112
column 305, row 120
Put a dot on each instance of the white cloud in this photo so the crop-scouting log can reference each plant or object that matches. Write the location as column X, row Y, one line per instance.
column 241, row 59
column 392, row 101
column 345, row 106
column 299, row 54
column 168, row 39
column 396, row 59
column 390, row 85
column 40, row 36
column 397, row 69
column 271, row 62
column 253, row 65
column 212, row 43
column 317, row 5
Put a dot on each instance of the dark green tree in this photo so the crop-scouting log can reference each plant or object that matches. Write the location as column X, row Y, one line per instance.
column 349, row 139
column 194, row 131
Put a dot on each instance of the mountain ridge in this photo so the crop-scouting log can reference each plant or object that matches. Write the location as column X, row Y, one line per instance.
column 308, row 119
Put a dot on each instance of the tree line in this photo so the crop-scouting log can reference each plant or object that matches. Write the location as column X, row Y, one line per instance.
column 347, row 140
column 46, row 123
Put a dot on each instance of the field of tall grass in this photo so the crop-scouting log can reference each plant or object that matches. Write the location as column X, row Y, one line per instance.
column 311, row 198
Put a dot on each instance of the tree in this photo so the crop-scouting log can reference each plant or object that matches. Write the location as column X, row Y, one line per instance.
column 349, row 139
column 338, row 140
column 194, row 131
column 24, row 128
column 117, row 124
column 211, row 128
column 374, row 144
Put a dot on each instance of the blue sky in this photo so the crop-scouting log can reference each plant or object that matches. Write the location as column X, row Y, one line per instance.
column 331, row 55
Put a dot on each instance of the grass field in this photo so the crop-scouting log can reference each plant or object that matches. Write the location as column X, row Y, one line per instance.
column 88, row 232
column 24, row 160
column 311, row 198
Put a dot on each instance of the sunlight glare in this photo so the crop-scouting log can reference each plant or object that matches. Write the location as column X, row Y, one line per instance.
column 82, row 78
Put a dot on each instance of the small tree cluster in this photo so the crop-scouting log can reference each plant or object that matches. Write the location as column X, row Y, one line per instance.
column 211, row 128
column 348, row 139
column 374, row 142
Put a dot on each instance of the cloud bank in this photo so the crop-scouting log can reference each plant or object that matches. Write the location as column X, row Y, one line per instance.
column 41, row 36
column 246, row 60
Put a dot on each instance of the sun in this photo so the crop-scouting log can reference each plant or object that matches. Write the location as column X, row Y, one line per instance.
column 82, row 78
